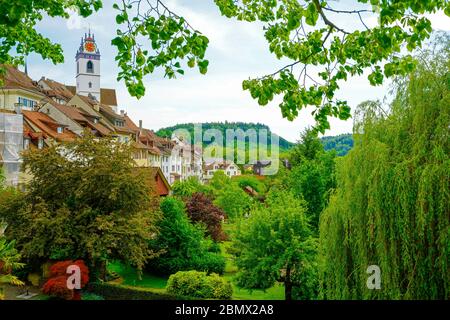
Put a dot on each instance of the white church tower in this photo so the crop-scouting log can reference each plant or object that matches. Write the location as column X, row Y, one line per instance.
column 88, row 67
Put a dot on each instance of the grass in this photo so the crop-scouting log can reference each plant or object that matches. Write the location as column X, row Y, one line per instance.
column 274, row 293
column 130, row 277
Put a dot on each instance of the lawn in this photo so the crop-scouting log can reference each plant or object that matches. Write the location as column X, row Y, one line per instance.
column 130, row 277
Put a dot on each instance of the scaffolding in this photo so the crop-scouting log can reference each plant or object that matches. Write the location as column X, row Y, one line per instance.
column 11, row 145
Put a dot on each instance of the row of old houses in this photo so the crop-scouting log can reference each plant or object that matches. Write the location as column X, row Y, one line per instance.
column 37, row 114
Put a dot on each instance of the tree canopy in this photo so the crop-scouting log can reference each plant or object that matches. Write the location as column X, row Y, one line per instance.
column 275, row 243
column 84, row 201
column 305, row 32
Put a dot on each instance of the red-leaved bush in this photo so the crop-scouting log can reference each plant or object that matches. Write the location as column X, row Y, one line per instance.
column 56, row 285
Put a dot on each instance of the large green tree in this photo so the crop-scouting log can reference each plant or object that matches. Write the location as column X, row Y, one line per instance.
column 84, row 201
column 150, row 37
column 275, row 244
column 391, row 206
column 312, row 176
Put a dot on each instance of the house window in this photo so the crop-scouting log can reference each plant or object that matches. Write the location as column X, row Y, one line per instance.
column 90, row 67
column 119, row 123
column 60, row 130
column 26, row 143
column 95, row 120
column 173, row 168
column 27, row 102
column 126, row 139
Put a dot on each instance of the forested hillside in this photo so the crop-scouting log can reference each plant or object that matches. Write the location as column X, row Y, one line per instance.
column 342, row 143
column 223, row 126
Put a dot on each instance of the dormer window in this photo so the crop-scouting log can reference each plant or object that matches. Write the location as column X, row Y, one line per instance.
column 90, row 67
column 95, row 120
column 60, row 130
column 119, row 123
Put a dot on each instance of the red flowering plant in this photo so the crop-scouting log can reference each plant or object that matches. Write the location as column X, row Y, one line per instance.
column 58, row 284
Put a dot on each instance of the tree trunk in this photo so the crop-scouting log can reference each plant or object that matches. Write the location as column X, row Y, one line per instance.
column 102, row 270
column 288, row 285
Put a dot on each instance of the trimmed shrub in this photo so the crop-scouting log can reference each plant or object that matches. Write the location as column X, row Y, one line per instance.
column 199, row 285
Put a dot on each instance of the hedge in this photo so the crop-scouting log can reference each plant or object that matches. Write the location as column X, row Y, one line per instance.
column 121, row 292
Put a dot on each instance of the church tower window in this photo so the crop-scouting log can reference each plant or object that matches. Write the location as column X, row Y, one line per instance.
column 90, row 67
column 90, row 85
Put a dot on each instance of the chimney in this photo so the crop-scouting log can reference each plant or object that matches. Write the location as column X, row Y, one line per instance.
column 140, row 125
column 122, row 113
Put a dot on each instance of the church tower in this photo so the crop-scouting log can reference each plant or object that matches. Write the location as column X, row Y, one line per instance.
column 88, row 67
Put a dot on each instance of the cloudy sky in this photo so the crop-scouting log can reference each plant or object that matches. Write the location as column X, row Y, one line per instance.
column 237, row 51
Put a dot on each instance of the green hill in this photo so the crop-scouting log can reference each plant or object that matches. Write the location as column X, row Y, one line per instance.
column 342, row 143
column 223, row 126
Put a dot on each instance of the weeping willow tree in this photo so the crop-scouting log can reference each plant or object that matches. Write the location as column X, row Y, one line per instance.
column 391, row 205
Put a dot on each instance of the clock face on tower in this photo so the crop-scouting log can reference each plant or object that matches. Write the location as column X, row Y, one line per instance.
column 89, row 46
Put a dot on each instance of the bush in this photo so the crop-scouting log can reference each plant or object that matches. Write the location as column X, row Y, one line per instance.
column 57, row 284
column 187, row 188
column 250, row 181
column 209, row 262
column 199, row 285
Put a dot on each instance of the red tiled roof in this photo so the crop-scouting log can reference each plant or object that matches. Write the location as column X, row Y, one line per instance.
column 57, row 89
column 130, row 124
column 78, row 115
column 155, row 177
column 48, row 125
column 13, row 78
column 107, row 96
column 71, row 112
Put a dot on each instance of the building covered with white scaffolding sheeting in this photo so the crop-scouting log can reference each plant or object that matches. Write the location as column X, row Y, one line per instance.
column 11, row 145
